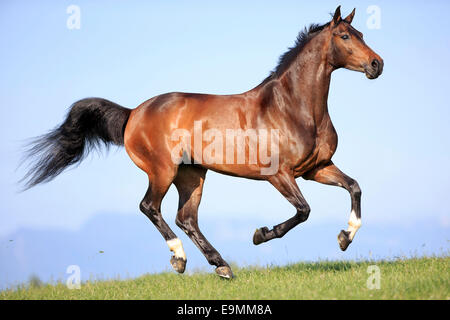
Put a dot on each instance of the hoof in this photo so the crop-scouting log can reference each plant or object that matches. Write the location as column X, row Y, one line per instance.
column 259, row 236
column 224, row 272
column 179, row 264
column 344, row 240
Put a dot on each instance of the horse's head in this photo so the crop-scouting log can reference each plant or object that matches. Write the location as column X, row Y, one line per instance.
column 348, row 49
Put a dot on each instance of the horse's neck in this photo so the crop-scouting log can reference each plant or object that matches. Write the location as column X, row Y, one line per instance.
column 306, row 82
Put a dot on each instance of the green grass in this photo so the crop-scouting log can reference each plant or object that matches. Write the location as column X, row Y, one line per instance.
column 417, row 278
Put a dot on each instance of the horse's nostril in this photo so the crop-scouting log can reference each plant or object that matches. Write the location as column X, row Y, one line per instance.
column 375, row 63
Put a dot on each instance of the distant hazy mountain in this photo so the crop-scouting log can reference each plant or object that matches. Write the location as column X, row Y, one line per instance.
column 113, row 246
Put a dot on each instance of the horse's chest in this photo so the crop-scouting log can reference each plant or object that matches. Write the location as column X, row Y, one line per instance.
column 320, row 152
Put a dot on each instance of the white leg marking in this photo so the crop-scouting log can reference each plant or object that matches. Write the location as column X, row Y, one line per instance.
column 353, row 225
column 176, row 247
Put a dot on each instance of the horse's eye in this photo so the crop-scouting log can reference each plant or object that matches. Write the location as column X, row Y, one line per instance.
column 345, row 37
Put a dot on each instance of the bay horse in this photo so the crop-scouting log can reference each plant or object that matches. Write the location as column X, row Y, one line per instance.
column 291, row 101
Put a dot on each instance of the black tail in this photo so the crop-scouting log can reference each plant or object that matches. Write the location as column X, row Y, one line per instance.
column 89, row 123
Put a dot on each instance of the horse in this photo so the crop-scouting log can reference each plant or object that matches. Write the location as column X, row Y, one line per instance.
column 167, row 137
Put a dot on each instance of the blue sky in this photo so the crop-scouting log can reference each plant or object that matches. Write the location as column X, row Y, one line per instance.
column 393, row 132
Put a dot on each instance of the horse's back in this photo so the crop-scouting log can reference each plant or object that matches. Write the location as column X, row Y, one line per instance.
column 151, row 125
column 180, row 110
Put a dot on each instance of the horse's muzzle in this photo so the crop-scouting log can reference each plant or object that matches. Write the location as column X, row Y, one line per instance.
column 374, row 69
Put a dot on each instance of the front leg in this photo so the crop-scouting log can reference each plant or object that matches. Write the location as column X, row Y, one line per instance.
column 331, row 175
column 285, row 183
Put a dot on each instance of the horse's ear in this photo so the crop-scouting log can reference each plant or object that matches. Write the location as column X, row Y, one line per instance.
column 336, row 17
column 349, row 18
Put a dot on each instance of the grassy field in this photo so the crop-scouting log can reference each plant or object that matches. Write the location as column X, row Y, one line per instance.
column 420, row 278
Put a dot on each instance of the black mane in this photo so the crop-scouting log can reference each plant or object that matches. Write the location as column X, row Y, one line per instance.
column 289, row 56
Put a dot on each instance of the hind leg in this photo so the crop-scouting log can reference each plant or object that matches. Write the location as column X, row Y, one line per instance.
column 151, row 206
column 189, row 182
